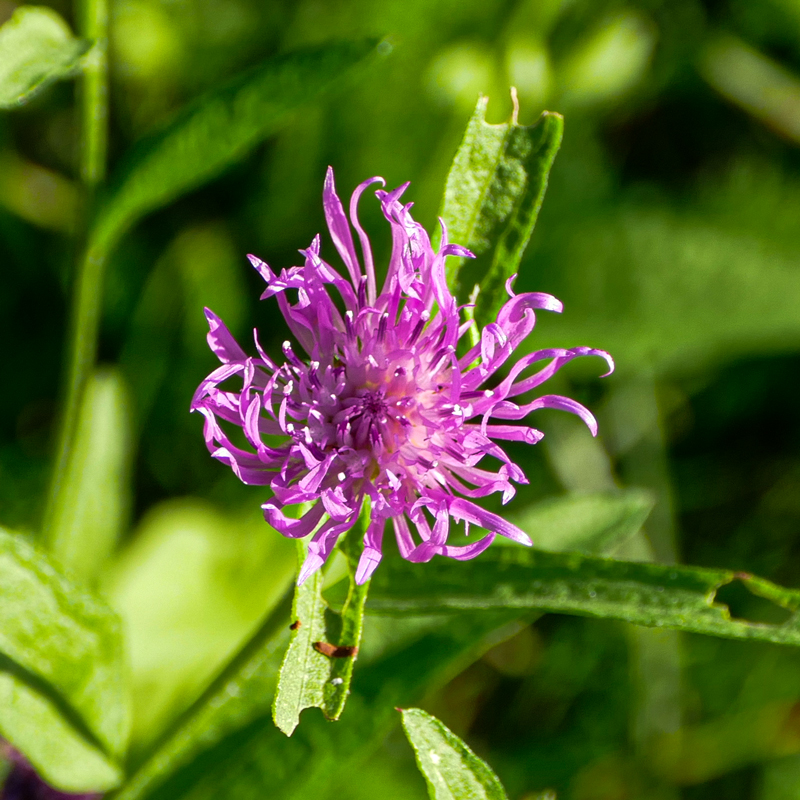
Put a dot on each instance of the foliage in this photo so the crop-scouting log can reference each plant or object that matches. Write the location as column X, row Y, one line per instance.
column 632, row 652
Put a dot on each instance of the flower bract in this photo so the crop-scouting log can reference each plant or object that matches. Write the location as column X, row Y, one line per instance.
column 383, row 404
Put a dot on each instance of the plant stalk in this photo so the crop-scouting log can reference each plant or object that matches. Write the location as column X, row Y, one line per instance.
column 86, row 298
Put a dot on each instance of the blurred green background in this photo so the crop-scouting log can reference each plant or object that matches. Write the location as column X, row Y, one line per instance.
column 671, row 232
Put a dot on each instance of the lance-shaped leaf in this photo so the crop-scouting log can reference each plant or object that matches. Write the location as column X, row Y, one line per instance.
column 683, row 598
column 88, row 517
column 492, row 198
column 63, row 698
column 216, row 130
column 452, row 771
column 590, row 523
column 318, row 666
column 36, row 48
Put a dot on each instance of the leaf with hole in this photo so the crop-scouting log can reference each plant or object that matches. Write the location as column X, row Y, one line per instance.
column 63, row 699
column 492, row 198
column 678, row 597
column 36, row 48
column 452, row 771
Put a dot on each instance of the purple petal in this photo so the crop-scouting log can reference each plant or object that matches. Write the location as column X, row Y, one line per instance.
column 293, row 528
column 221, row 341
column 371, row 555
column 339, row 227
column 464, row 510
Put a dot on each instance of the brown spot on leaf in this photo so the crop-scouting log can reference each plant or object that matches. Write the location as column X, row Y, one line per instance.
column 335, row 651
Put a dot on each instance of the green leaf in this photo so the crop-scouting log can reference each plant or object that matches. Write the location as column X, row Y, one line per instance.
column 234, row 709
column 217, row 130
column 589, row 523
column 310, row 677
column 193, row 586
column 62, row 689
column 36, row 48
column 492, row 198
column 89, row 514
column 654, row 595
column 452, row 771
column 226, row 746
column 736, row 243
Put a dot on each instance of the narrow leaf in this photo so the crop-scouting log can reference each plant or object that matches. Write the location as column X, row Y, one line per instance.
column 492, row 198
column 217, row 130
column 89, row 514
column 655, row 595
column 62, row 690
column 588, row 523
column 304, row 671
column 36, row 48
column 452, row 771
column 318, row 666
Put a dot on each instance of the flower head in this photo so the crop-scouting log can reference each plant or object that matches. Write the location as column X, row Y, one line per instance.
column 381, row 406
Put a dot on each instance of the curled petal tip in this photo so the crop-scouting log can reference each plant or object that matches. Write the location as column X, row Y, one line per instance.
column 610, row 361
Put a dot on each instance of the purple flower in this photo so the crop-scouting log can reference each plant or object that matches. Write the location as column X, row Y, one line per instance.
column 383, row 406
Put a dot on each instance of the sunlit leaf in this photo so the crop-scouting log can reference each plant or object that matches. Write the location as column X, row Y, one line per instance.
column 216, row 130
column 492, row 198
column 656, row 595
column 318, row 666
column 589, row 523
column 90, row 512
column 191, row 588
column 62, row 689
column 451, row 769
column 402, row 657
column 36, row 48
column 228, row 747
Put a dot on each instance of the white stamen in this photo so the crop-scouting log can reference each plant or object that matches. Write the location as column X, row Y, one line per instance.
column 342, row 477
column 488, row 393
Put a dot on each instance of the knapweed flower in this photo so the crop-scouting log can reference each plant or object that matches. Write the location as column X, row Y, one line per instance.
column 382, row 406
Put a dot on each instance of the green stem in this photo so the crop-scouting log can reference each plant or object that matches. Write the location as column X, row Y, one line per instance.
column 94, row 93
column 86, row 300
